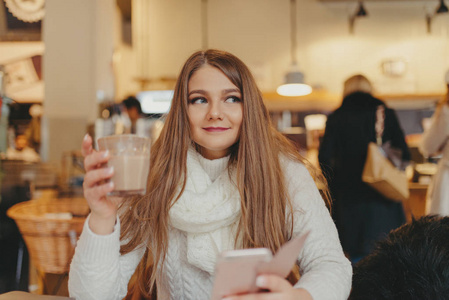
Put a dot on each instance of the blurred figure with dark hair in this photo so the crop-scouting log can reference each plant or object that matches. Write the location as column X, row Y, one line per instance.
column 133, row 110
column 33, row 132
column 411, row 263
column 362, row 215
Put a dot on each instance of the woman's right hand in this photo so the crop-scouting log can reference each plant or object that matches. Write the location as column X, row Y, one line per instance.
column 103, row 210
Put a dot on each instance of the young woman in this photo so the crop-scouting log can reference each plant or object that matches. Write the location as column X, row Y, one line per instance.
column 221, row 178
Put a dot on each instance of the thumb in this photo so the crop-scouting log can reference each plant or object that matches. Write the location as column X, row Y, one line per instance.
column 273, row 283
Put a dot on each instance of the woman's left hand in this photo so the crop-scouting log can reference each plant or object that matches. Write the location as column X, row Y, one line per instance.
column 279, row 288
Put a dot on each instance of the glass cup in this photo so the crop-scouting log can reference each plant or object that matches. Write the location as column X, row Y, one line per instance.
column 130, row 158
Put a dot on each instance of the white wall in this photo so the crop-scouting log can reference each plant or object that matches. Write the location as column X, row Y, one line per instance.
column 124, row 64
column 258, row 32
column 392, row 30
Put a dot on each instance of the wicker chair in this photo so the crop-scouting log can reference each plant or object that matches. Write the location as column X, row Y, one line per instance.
column 49, row 238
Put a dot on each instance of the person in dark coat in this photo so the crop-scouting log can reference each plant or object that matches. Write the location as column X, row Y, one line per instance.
column 361, row 214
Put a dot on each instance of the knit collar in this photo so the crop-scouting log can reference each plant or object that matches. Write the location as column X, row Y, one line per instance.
column 213, row 167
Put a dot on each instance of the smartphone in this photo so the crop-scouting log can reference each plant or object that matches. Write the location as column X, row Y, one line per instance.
column 236, row 271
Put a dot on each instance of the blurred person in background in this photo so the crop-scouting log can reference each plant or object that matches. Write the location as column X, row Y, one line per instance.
column 33, row 132
column 133, row 110
column 362, row 215
column 435, row 140
column 21, row 150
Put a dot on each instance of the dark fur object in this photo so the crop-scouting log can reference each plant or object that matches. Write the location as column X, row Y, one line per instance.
column 411, row 263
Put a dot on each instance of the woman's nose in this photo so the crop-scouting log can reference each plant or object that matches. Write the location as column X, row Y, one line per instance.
column 215, row 112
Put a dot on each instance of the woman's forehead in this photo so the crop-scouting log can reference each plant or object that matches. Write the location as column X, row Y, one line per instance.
column 210, row 77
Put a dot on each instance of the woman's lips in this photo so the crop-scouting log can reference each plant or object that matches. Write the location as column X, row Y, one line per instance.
column 215, row 129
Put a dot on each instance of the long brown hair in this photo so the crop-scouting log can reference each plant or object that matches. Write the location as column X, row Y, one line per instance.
column 255, row 157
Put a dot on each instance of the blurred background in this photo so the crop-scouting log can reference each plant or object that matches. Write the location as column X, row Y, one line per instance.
column 67, row 65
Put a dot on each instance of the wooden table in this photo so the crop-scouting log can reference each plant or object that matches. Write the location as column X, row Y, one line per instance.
column 27, row 296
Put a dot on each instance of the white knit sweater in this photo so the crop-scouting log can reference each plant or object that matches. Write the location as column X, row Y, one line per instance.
column 98, row 271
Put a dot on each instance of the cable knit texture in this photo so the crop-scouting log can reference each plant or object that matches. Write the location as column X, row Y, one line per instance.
column 203, row 222
column 208, row 212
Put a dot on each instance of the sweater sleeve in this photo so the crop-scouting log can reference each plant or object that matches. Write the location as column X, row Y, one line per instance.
column 325, row 272
column 437, row 134
column 98, row 270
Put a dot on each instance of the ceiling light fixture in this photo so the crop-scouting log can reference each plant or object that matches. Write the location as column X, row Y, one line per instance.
column 442, row 9
column 361, row 12
column 294, row 80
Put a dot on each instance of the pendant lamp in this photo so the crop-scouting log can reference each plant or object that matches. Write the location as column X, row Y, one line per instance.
column 442, row 9
column 294, row 79
column 360, row 13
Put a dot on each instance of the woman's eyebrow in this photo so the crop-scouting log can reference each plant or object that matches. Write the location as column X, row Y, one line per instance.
column 202, row 92
column 227, row 91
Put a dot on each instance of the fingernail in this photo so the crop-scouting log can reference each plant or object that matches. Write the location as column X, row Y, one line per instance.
column 260, row 281
column 110, row 170
column 111, row 184
column 86, row 136
column 106, row 154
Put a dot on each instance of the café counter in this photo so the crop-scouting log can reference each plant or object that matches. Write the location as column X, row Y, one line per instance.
column 415, row 205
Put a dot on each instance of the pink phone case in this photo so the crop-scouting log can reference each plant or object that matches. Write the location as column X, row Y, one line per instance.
column 236, row 270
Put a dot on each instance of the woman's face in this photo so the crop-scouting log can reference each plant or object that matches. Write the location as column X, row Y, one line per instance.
column 215, row 111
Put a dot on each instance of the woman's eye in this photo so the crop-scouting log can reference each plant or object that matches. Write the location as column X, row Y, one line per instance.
column 233, row 99
column 198, row 100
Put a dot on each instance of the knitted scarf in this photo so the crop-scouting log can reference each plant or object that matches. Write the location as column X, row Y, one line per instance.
column 208, row 212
